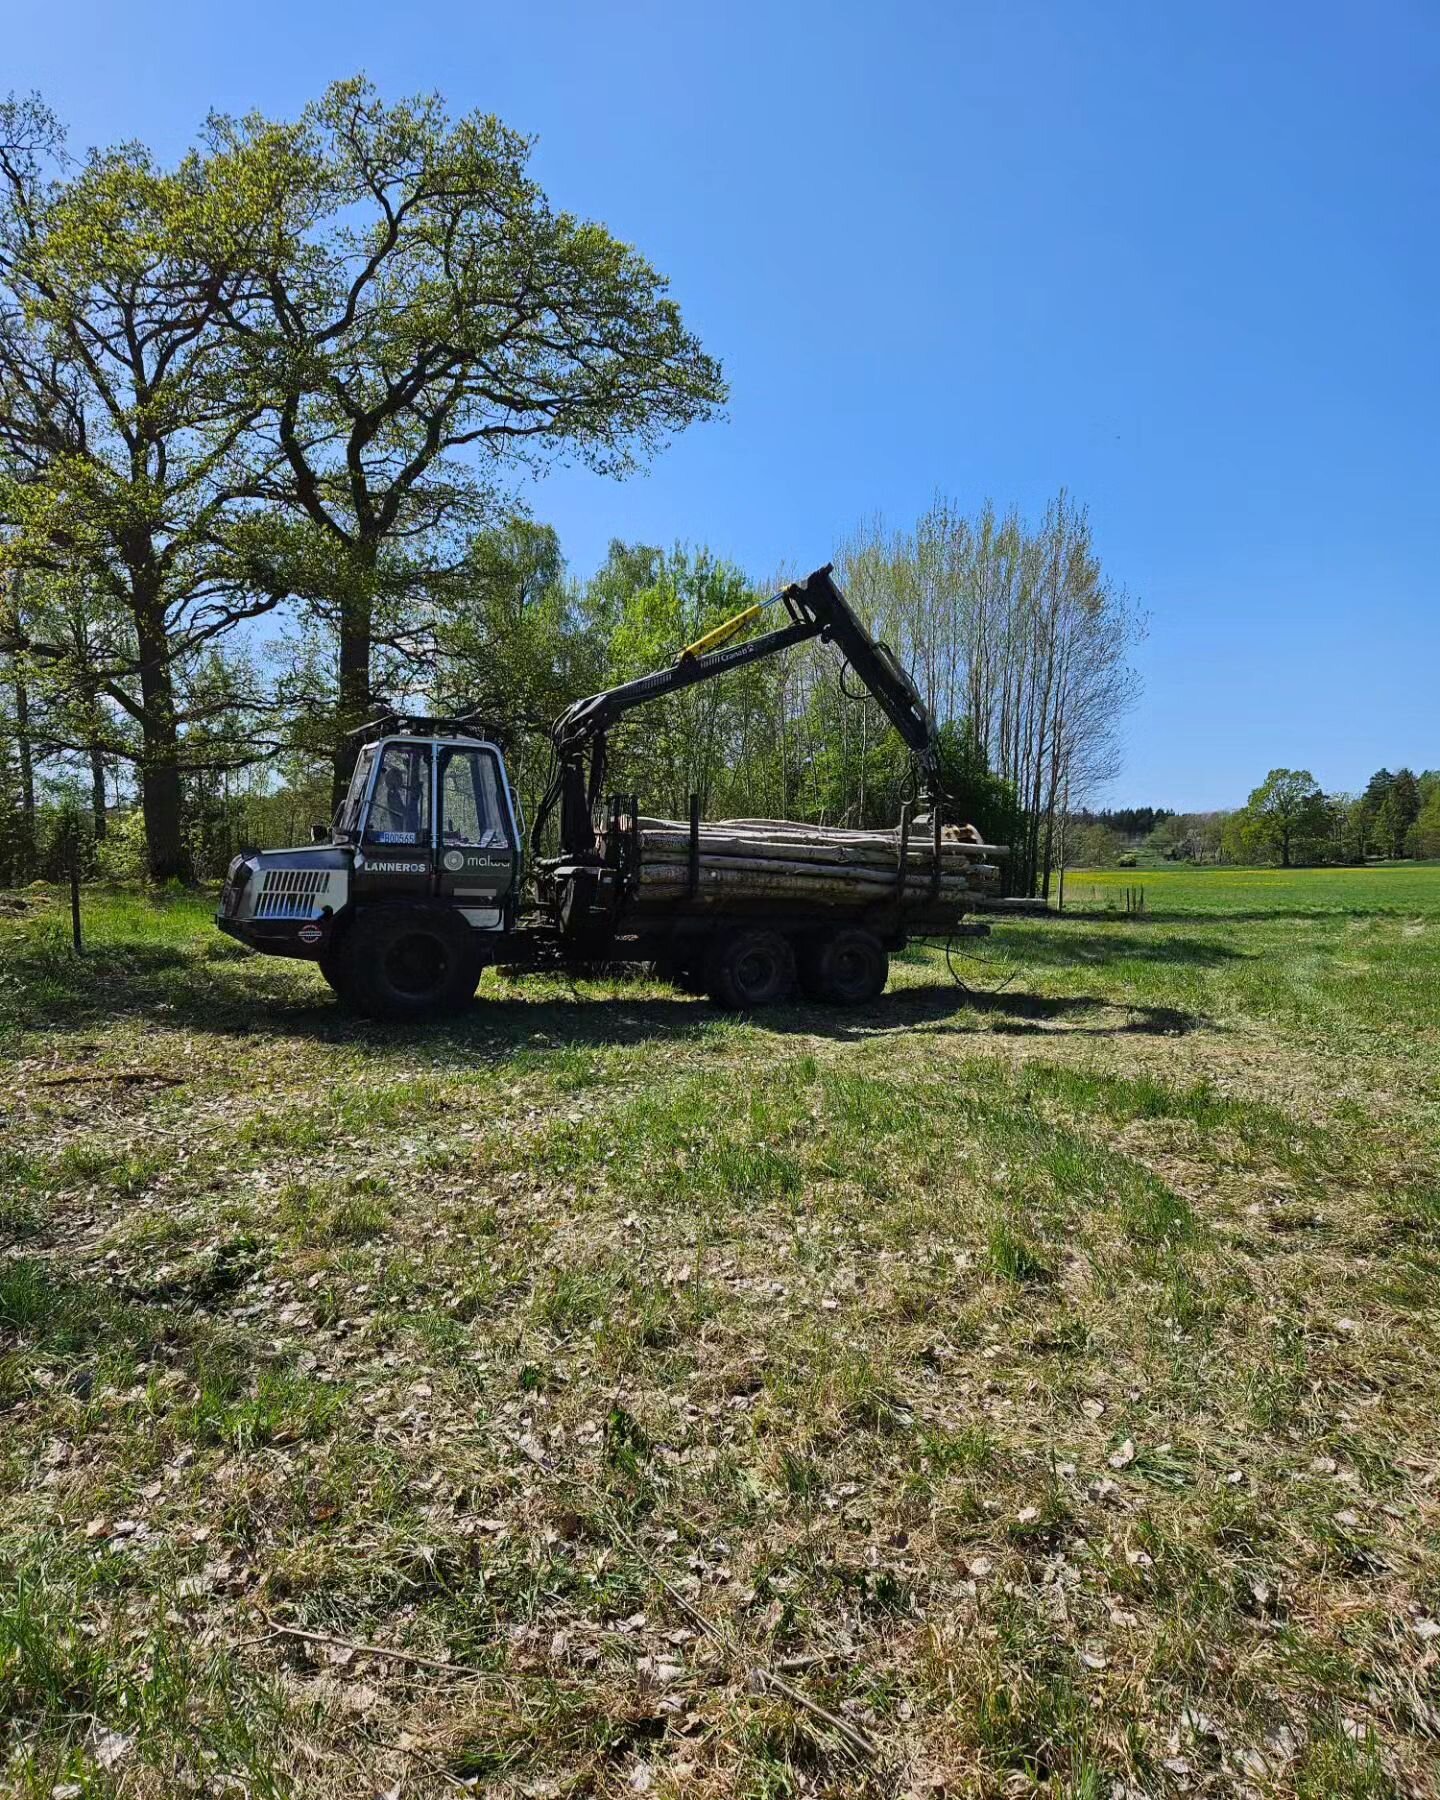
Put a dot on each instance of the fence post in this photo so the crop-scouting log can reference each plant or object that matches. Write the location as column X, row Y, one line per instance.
column 75, row 899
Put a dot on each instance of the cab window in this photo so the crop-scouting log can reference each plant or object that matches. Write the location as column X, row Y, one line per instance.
column 348, row 818
column 400, row 805
column 471, row 804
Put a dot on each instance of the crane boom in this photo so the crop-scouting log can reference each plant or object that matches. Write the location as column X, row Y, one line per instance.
column 817, row 609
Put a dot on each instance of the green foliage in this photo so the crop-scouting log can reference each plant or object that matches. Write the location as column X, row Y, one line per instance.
column 1285, row 817
column 1094, row 847
column 1011, row 626
column 421, row 300
column 1398, row 812
column 1425, row 838
column 260, row 376
column 793, row 736
column 1385, row 815
column 981, row 797
column 707, row 739
column 257, row 381
column 129, row 456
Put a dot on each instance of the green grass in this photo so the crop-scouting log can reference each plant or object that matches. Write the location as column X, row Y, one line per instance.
column 1041, row 1376
column 1177, row 891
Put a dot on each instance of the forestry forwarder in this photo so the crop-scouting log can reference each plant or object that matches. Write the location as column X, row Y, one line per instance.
column 416, row 886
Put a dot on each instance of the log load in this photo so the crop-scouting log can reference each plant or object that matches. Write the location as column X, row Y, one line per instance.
column 781, row 860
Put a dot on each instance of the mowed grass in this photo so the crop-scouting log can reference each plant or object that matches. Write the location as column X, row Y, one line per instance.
column 1020, row 1388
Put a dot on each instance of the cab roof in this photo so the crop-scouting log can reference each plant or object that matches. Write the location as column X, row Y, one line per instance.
column 421, row 725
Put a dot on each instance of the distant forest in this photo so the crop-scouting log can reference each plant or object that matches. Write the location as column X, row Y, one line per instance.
column 1287, row 820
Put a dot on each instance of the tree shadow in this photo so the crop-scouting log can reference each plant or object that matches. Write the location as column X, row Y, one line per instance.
column 1008, row 1011
column 1261, row 915
column 1165, row 915
column 1069, row 946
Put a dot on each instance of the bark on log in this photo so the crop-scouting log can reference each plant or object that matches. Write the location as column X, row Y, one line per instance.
column 807, row 850
column 786, row 830
column 978, row 875
column 946, row 906
column 671, row 880
column 984, row 876
column 832, row 874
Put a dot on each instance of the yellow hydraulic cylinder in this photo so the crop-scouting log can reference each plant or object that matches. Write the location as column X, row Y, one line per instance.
column 729, row 628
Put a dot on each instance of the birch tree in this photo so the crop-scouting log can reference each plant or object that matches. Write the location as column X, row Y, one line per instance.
column 1017, row 633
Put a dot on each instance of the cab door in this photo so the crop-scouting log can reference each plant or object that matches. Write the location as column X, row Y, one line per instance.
column 395, row 858
column 477, row 848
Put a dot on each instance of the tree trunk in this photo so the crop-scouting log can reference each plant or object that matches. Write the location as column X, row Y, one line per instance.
column 353, row 698
column 160, row 798
column 97, row 792
column 27, row 777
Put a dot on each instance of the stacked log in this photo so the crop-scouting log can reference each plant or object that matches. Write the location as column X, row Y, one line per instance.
column 778, row 859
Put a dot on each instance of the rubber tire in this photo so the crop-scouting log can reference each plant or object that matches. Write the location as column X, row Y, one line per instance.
column 381, row 967
column 687, row 973
column 330, row 966
column 845, row 968
column 749, row 969
column 690, row 979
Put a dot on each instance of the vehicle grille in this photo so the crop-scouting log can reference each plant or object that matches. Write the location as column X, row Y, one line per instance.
column 293, row 893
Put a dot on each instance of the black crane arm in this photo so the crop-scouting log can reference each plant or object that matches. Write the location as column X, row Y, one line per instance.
column 817, row 609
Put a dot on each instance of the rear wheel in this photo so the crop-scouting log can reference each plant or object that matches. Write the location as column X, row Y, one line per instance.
column 398, row 963
column 845, row 968
column 747, row 969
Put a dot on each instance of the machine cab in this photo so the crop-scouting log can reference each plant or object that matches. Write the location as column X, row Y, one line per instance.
column 433, row 817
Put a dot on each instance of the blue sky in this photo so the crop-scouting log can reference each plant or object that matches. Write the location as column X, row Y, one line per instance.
column 1180, row 260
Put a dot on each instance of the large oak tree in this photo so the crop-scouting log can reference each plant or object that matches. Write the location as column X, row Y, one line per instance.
column 129, row 458
column 428, row 327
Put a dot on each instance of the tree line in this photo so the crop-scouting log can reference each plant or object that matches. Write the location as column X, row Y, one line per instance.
column 1287, row 820
column 264, row 415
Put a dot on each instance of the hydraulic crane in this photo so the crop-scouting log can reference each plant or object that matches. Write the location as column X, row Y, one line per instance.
column 417, row 884
column 817, row 609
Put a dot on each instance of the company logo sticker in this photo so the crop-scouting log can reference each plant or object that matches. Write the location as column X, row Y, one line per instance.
column 454, row 859
column 309, row 934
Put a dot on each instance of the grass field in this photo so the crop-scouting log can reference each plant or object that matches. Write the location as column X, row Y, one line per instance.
column 1184, row 892
column 1022, row 1389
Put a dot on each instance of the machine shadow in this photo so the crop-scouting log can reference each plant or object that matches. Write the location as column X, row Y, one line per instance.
column 498, row 1028
column 236, row 997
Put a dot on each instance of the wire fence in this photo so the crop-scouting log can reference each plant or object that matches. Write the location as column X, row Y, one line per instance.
column 1127, row 902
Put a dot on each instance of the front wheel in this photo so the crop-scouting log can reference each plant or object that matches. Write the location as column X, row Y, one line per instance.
column 395, row 963
column 332, row 968
column 845, row 968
